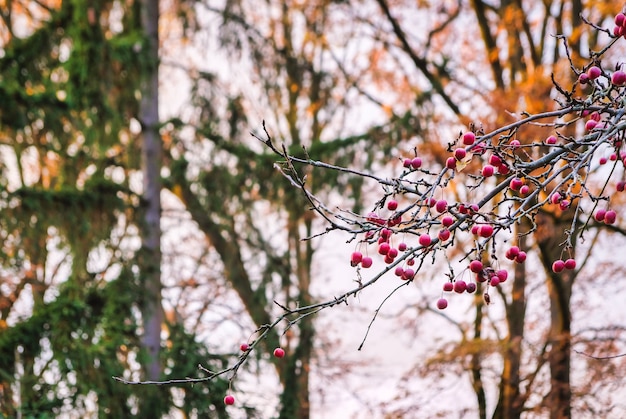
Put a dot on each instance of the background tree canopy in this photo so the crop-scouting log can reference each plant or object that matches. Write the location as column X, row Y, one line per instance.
column 123, row 224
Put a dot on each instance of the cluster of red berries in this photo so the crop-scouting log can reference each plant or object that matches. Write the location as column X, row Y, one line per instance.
column 620, row 25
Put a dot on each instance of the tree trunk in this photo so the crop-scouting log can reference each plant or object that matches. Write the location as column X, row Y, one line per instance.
column 549, row 234
column 151, row 154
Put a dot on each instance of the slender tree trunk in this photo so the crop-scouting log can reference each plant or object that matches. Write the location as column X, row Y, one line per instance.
column 549, row 234
column 151, row 153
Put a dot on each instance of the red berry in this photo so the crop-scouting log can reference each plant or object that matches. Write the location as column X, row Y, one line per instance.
column 410, row 262
column 229, row 400
column 594, row 72
column 516, row 183
column 356, row 258
column 451, row 163
column 521, row 257
column 279, row 352
column 416, row 163
column 475, row 229
column 618, row 78
column 470, row 288
column 503, row 169
column 408, row 274
column 524, row 189
column 495, row 160
column 448, row 286
column 425, row 240
column 551, row 140
column 494, row 281
column 406, row 163
column 512, row 252
column 583, row 78
column 621, row 185
column 402, row 247
column 558, row 266
column 476, row 266
column 515, row 143
column 502, row 275
column 488, row 170
column 555, row 198
column 564, row 204
column 444, row 234
column 385, row 233
column 442, row 303
column 469, row 138
column 460, row 153
column 591, row 124
column 399, row 271
column 485, row 230
column 244, row 347
column 367, row 262
column 570, row 264
column 610, row 217
column 441, row 205
column 392, row 205
column 600, row 214
column 392, row 253
column 383, row 248
column 620, row 19
column 447, row 221
column 460, row 286
column 603, row 160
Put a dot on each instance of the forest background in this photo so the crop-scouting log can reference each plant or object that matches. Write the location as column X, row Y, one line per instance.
column 145, row 232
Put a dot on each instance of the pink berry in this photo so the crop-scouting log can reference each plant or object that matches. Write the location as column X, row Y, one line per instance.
column 244, row 347
column 620, row 19
column 279, row 352
column 613, row 157
column 621, row 185
column 558, row 266
column 410, row 262
column 367, row 262
column 618, row 78
column 485, row 231
column 600, row 214
column 383, row 248
column 425, row 240
column 495, row 160
column 470, row 288
column 502, row 275
column 442, row 303
column 503, row 169
column 512, row 252
column 460, row 286
column 595, row 116
column 402, row 247
column 416, row 163
column 494, row 281
column 385, row 233
column 451, row 163
column 524, row 189
column 444, row 234
column 488, row 170
column 447, row 221
column 476, row 266
column 555, row 198
column 406, row 163
column 441, row 205
column 392, row 253
column 388, row 260
column 618, row 31
column 516, row 183
column 399, row 271
column 570, row 264
column 521, row 257
column 564, row 204
column 475, row 229
column 551, row 140
column 392, row 205
column 583, row 78
column 603, row 160
column 460, row 153
column 610, row 217
column 448, row 286
column 432, row 202
column 515, row 143
column 356, row 258
column 594, row 72
column 469, row 138
column 229, row 400
column 408, row 274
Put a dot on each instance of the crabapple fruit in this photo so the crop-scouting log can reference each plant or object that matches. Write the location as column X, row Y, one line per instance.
column 229, row 400
column 570, row 264
column 367, row 262
column 460, row 286
column 442, row 303
column 279, row 352
column 444, row 234
column 488, row 170
column 476, row 266
column 448, row 286
column 469, row 138
column 424, row 240
column 558, row 266
column 392, row 205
